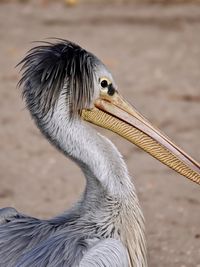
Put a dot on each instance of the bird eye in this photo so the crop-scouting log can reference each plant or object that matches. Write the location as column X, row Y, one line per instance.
column 104, row 83
column 107, row 84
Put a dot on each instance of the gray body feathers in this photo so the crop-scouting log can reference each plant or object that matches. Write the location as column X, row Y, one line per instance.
column 108, row 252
column 69, row 240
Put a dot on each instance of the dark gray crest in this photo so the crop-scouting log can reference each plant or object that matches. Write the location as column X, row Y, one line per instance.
column 51, row 67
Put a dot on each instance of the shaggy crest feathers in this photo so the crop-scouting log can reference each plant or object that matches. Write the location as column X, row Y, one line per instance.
column 51, row 67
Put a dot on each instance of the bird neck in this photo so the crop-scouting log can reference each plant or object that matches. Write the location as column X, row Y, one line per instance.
column 106, row 175
column 98, row 158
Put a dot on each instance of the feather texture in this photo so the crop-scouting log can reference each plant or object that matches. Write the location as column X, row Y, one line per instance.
column 50, row 67
column 105, row 227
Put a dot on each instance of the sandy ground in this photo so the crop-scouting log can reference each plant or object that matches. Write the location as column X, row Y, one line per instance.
column 154, row 54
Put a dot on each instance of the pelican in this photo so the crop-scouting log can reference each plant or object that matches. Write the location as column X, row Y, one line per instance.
column 65, row 87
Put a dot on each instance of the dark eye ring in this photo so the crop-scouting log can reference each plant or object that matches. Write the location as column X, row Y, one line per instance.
column 104, row 84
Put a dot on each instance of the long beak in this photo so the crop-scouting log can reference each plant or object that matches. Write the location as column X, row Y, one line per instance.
column 117, row 115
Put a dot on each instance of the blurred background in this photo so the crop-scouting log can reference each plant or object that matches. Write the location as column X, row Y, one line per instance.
column 153, row 50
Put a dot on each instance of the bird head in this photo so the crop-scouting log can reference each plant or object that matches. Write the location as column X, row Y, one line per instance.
column 65, row 69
